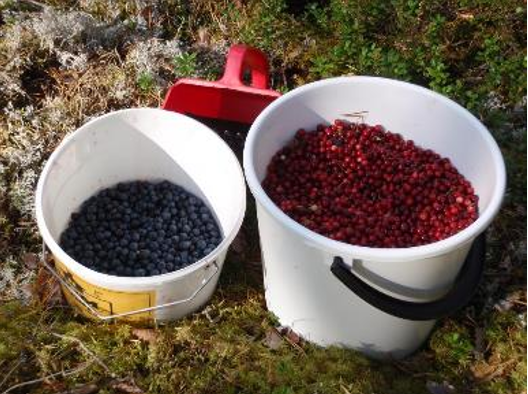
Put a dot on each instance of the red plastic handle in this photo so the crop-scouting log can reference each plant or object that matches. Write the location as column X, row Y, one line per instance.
column 241, row 58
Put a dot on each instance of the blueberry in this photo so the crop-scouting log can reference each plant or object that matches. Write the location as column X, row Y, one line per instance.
column 88, row 262
column 155, row 272
column 185, row 245
column 125, row 228
column 139, row 272
column 175, row 239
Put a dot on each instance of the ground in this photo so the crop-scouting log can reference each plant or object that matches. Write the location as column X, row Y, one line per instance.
column 63, row 62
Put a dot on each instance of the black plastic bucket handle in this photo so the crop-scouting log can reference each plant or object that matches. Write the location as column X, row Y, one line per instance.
column 463, row 289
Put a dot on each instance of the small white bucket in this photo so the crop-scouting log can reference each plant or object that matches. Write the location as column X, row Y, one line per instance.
column 383, row 302
column 140, row 144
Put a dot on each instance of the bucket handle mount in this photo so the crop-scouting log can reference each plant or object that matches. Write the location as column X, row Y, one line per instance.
column 103, row 317
column 465, row 286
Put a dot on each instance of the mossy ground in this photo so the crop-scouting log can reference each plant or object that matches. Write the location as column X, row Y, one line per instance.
column 63, row 62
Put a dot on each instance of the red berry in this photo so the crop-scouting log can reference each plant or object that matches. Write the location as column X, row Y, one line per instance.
column 367, row 186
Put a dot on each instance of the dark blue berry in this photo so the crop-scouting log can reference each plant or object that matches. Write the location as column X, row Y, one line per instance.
column 140, row 225
column 185, row 245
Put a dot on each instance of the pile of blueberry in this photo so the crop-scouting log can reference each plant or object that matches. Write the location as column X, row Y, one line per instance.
column 141, row 228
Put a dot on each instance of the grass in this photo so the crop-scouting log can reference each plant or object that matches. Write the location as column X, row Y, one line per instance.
column 63, row 62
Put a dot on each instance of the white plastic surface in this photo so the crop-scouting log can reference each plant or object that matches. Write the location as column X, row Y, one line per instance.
column 143, row 144
column 300, row 289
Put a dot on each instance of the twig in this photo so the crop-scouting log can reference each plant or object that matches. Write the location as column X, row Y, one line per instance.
column 35, row 4
column 345, row 389
column 86, row 350
column 9, row 373
column 53, row 375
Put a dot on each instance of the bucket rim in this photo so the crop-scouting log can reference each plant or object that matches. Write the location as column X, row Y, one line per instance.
column 316, row 240
column 113, row 281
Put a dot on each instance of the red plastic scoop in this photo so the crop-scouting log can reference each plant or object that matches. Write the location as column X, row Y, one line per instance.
column 229, row 98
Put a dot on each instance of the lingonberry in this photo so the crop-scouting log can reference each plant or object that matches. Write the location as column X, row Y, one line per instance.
column 366, row 186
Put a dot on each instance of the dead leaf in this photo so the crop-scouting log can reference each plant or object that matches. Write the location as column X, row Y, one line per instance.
column 273, row 339
column 440, row 388
column 293, row 337
column 145, row 334
column 146, row 13
column 483, row 372
column 126, row 385
column 47, row 289
column 204, row 38
column 30, row 260
column 84, row 389
column 290, row 335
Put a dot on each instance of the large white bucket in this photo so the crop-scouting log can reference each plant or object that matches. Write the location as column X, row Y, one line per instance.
column 383, row 302
column 140, row 144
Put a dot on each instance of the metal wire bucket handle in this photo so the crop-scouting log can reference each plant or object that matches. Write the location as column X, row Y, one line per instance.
column 99, row 316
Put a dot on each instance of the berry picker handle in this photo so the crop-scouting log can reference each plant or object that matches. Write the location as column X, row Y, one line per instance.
column 241, row 58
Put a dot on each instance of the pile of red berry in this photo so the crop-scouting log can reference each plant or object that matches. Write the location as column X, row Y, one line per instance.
column 366, row 186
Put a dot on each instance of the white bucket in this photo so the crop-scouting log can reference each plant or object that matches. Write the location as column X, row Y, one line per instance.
column 140, row 144
column 383, row 302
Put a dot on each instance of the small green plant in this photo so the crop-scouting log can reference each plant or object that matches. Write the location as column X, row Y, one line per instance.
column 453, row 347
column 145, row 82
column 185, row 65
